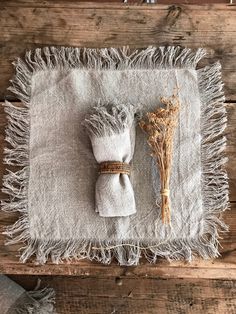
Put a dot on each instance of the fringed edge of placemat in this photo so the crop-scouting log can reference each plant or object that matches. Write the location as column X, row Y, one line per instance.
column 214, row 179
column 215, row 187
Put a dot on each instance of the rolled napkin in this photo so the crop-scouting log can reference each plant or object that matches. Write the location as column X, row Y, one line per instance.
column 111, row 129
column 15, row 300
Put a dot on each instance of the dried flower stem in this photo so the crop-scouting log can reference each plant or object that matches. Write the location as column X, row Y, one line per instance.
column 160, row 127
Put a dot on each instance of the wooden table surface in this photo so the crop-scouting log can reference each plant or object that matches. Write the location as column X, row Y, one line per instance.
column 27, row 24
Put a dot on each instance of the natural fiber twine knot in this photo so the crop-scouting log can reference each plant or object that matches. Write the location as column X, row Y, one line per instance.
column 114, row 167
column 165, row 192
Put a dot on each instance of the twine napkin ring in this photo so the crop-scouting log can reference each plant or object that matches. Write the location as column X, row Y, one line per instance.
column 114, row 167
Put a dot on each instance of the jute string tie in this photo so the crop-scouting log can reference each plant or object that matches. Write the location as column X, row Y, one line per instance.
column 114, row 167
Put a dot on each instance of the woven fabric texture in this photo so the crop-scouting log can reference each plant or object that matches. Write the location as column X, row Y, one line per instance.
column 55, row 187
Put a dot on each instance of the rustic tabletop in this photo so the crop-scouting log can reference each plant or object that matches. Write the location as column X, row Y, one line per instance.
column 27, row 24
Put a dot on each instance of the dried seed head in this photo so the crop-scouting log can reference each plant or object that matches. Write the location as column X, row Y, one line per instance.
column 160, row 126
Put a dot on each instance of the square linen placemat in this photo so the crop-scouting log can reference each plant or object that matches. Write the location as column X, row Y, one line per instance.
column 54, row 187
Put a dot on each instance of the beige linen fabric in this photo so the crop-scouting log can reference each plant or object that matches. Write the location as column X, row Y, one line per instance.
column 15, row 300
column 111, row 129
column 60, row 171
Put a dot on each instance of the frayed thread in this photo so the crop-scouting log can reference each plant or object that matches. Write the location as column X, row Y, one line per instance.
column 49, row 58
column 107, row 120
column 215, row 185
column 126, row 253
column 42, row 302
column 15, row 184
column 214, row 178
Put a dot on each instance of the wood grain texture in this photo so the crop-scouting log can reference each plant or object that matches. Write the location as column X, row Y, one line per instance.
column 134, row 295
column 106, row 3
column 29, row 24
column 223, row 267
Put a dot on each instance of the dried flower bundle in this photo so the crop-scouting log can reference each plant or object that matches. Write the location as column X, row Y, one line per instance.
column 160, row 128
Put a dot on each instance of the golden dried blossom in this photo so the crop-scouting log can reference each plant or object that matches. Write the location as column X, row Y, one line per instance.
column 160, row 126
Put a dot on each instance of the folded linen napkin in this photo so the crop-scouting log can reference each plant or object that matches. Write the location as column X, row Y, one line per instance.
column 15, row 300
column 111, row 129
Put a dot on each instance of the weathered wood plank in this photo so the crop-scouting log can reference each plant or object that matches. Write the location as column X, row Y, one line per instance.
column 224, row 267
column 134, row 295
column 32, row 24
column 105, row 3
